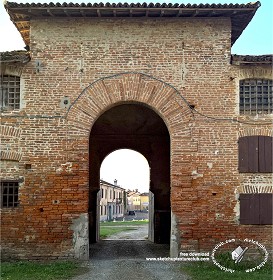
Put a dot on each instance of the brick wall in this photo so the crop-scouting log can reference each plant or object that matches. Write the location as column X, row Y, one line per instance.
column 78, row 59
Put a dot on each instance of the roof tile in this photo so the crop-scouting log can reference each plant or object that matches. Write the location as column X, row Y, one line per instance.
column 240, row 14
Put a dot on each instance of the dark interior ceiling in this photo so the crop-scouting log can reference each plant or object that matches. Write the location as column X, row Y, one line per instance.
column 129, row 119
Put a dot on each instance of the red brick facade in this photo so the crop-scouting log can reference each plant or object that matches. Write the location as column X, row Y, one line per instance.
column 164, row 64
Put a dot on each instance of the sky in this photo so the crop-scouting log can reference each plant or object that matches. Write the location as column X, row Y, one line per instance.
column 255, row 40
column 130, row 168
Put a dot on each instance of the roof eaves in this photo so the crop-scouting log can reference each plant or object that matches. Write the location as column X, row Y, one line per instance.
column 240, row 14
column 251, row 59
column 15, row 56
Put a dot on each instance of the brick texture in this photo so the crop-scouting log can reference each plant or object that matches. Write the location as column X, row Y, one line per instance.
column 165, row 64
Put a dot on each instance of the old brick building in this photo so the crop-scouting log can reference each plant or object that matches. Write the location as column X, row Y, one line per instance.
column 158, row 79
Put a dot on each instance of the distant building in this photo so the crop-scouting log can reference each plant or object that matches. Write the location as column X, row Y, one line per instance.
column 144, row 201
column 133, row 200
column 112, row 201
column 137, row 201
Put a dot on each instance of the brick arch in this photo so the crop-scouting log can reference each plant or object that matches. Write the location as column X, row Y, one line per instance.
column 9, row 144
column 10, row 131
column 253, row 131
column 172, row 108
column 107, row 92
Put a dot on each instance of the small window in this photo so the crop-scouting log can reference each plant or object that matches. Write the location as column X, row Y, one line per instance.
column 9, row 194
column 255, row 154
column 10, row 92
column 256, row 96
column 256, row 209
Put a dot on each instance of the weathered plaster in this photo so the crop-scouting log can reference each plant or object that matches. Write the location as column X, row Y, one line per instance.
column 175, row 239
column 80, row 237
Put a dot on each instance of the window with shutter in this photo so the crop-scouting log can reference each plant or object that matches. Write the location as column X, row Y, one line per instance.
column 256, row 209
column 255, row 154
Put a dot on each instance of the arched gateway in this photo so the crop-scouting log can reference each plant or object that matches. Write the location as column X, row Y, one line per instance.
column 51, row 151
column 139, row 112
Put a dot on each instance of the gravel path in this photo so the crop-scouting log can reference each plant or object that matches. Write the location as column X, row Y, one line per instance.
column 126, row 260
column 122, row 256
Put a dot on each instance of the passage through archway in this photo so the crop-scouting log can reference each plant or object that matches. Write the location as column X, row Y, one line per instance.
column 124, row 186
column 136, row 127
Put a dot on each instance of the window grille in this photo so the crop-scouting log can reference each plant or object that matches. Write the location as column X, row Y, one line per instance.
column 9, row 194
column 256, row 96
column 10, row 92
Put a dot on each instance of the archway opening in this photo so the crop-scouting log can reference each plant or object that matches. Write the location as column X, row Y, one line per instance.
column 124, row 196
column 139, row 128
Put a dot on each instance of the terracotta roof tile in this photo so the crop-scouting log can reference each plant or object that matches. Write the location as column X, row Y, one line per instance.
column 240, row 14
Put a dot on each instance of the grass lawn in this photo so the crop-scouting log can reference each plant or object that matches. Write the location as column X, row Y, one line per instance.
column 26, row 270
column 209, row 271
column 125, row 223
column 108, row 230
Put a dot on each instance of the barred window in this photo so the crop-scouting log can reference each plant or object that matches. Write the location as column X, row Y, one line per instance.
column 256, row 96
column 10, row 92
column 9, row 194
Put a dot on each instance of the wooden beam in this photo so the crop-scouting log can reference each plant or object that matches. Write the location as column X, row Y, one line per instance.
column 179, row 13
column 195, row 13
column 22, row 21
column 82, row 13
column 49, row 12
column 67, row 14
column 24, row 30
column 212, row 13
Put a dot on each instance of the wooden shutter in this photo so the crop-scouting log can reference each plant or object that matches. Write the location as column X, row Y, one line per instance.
column 256, row 209
column 266, row 208
column 243, row 154
column 249, row 209
column 265, row 154
column 255, row 154
column 248, row 154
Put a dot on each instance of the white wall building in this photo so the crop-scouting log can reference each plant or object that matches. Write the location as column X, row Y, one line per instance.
column 112, row 201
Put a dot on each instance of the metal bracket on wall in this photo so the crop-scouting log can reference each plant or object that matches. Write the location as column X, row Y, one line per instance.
column 38, row 66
